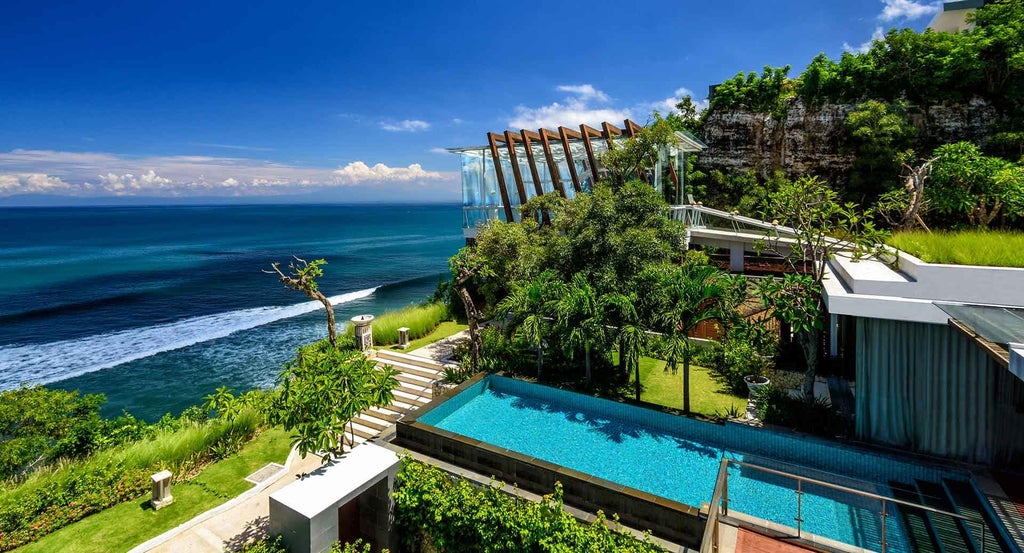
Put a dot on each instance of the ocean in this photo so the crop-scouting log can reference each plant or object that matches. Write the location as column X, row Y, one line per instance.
column 156, row 307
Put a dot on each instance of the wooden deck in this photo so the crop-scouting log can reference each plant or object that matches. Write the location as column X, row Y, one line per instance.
column 752, row 542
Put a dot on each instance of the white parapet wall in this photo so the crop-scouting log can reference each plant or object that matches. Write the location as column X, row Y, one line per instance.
column 933, row 281
column 308, row 513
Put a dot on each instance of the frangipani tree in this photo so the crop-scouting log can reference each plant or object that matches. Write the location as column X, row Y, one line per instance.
column 813, row 228
column 323, row 389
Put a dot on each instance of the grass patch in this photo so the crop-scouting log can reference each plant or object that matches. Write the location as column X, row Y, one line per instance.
column 421, row 320
column 971, row 247
column 442, row 331
column 708, row 396
column 126, row 525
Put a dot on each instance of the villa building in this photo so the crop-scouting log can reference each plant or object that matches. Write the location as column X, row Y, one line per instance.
column 953, row 16
column 515, row 166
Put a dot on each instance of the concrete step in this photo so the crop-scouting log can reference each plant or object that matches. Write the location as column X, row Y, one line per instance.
column 389, row 355
column 416, row 370
column 414, row 380
column 364, row 431
column 371, row 422
column 412, row 397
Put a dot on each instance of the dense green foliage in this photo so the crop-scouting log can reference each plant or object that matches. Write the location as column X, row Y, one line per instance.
column 322, row 389
column 775, row 406
column 123, row 526
column 894, row 82
column 966, row 183
column 55, row 497
column 420, row 319
column 452, row 515
column 987, row 248
column 921, row 68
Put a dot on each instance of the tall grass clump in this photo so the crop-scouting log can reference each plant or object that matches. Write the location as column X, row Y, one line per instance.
column 967, row 247
column 69, row 491
column 421, row 320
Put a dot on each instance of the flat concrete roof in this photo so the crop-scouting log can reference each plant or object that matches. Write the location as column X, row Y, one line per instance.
column 322, row 489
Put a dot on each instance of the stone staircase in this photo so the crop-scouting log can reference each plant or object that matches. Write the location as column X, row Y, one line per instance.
column 416, row 378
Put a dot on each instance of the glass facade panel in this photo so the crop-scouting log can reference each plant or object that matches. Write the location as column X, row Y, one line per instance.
column 472, row 179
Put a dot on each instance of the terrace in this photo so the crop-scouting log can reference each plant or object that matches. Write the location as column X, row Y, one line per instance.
column 515, row 166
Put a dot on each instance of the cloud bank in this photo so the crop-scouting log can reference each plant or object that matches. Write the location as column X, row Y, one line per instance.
column 407, row 125
column 907, row 10
column 577, row 108
column 106, row 174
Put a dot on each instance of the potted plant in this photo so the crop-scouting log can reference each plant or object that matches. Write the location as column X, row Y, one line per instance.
column 755, row 382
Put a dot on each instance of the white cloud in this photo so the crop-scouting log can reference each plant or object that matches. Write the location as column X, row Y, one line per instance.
column 668, row 105
column 908, row 10
column 407, row 125
column 574, row 110
column 584, row 92
column 864, row 47
column 439, row 151
column 28, row 183
column 358, row 172
column 94, row 173
column 457, row 121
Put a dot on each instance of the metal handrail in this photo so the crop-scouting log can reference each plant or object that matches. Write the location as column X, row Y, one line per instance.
column 720, row 504
column 709, row 542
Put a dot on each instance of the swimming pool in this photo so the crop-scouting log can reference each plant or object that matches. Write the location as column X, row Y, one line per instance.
column 678, row 458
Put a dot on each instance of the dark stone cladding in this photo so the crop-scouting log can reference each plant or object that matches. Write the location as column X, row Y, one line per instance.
column 665, row 518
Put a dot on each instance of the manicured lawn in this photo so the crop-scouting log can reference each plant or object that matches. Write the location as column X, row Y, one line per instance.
column 988, row 248
column 707, row 395
column 122, row 527
column 443, row 330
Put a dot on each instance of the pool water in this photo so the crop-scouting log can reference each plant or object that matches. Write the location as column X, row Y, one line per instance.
column 678, row 458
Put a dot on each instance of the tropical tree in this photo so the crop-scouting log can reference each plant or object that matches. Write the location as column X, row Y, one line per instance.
column 965, row 181
column 690, row 294
column 302, row 277
column 581, row 318
column 813, row 228
column 630, row 333
column 530, row 309
column 322, row 389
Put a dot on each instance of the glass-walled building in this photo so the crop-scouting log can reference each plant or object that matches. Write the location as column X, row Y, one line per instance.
column 515, row 166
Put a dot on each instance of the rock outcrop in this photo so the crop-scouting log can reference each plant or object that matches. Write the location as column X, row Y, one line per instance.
column 811, row 139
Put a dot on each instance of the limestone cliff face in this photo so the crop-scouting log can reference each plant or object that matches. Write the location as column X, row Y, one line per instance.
column 812, row 139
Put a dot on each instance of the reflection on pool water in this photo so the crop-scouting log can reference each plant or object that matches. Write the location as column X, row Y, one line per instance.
column 678, row 458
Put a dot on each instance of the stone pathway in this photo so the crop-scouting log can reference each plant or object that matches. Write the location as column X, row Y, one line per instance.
column 441, row 350
column 247, row 517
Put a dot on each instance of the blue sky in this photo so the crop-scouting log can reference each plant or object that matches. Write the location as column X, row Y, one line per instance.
column 354, row 100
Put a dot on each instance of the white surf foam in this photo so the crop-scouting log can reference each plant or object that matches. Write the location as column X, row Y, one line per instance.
column 45, row 363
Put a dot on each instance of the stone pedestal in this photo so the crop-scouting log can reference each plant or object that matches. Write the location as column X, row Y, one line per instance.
column 403, row 337
column 161, row 490
column 363, row 331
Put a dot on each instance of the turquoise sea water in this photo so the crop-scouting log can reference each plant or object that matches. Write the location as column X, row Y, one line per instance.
column 679, row 458
column 157, row 306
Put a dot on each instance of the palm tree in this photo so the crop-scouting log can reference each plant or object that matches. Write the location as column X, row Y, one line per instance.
column 581, row 318
column 529, row 308
column 631, row 334
column 692, row 293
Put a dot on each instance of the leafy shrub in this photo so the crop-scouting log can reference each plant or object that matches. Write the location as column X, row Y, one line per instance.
column 775, row 406
column 266, row 545
column 731, row 361
column 38, row 425
column 53, row 498
column 501, row 353
column 420, row 319
column 449, row 514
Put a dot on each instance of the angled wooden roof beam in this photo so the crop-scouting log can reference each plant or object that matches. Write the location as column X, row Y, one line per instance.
column 532, row 162
column 545, row 144
column 520, row 187
column 564, row 134
column 492, row 140
column 585, row 131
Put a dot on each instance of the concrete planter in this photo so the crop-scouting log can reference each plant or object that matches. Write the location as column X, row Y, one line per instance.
column 755, row 383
